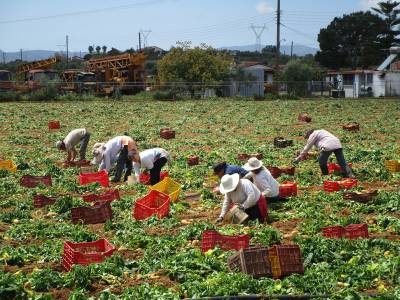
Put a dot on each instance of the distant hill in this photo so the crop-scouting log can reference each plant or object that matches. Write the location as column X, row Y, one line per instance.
column 31, row 55
column 299, row 50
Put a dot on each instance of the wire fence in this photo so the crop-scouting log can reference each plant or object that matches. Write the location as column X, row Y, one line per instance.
column 231, row 88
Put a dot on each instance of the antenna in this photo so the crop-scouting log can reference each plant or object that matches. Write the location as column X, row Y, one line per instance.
column 145, row 34
column 258, row 31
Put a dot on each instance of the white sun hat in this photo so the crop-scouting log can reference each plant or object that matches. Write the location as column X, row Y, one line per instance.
column 229, row 183
column 253, row 164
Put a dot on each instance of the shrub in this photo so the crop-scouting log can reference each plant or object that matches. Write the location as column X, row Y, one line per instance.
column 297, row 75
column 165, row 95
column 10, row 96
column 49, row 92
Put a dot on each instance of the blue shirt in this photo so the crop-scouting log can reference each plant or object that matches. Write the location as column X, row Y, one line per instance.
column 231, row 169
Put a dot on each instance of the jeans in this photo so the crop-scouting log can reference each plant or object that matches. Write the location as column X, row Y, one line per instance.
column 83, row 145
column 156, row 170
column 323, row 160
column 123, row 162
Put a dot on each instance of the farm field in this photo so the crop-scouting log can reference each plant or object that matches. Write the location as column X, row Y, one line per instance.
column 162, row 259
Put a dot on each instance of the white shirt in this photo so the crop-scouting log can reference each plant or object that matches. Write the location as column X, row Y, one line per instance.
column 73, row 138
column 323, row 140
column 112, row 149
column 265, row 183
column 148, row 157
column 246, row 194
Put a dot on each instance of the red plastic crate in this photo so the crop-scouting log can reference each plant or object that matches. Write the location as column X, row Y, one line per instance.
column 54, row 124
column 100, row 177
column 252, row 261
column 33, row 181
column 258, row 155
column 275, row 171
column 351, row 126
column 288, row 170
column 154, row 203
column 331, row 186
column 332, row 167
column 243, row 156
column 42, row 201
column 167, row 133
column 144, row 178
column 211, row 238
column 285, row 260
column 92, row 214
column 108, row 196
column 304, row 118
column 78, row 163
column 348, row 183
column 354, row 231
column 86, row 253
column 334, row 232
column 288, row 189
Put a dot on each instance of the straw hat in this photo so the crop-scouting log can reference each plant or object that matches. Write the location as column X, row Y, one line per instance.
column 229, row 183
column 253, row 164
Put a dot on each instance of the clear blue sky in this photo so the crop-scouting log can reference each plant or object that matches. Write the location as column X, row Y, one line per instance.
column 43, row 24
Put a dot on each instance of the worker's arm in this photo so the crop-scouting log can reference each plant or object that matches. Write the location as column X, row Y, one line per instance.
column 69, row 156
column 310, row 142
column 251, row 196
column 107, row 161
column 267, row 192
column 248, row 176
column 73, row 154
column 225, row 206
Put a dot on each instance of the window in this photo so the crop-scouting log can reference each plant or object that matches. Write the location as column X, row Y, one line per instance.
column 370, row 78
column 348, row 79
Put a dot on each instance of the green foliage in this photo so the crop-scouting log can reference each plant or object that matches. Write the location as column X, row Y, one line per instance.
column 46, row 93
column 11, row 287
column 297, row 74
column 44, row 280
column 10, row 96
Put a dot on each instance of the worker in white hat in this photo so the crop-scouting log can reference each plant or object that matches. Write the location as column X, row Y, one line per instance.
column 245, row 195
column 262, row 178
column 77, row 136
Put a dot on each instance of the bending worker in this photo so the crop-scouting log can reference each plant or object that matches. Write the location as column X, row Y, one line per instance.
column 262, row 179
column 150, row 159
column 77, row 136
column 115, row 150
column 223, row 168
column 245, row 195
column 327, row 144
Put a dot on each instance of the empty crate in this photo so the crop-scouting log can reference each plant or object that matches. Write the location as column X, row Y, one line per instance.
column 105, row 197
column 285, row 260
column 251, row 261
column 33, row 181
column 154, row 203
column 91, row 214
column 169, row 187
column 54, row 124
column 211, row 239
column 8, row 165
column 42, row 201
column 288, row 189
column 86, row 253
column 100, row 177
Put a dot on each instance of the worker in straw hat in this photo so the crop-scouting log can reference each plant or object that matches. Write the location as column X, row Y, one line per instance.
column 77, row 136
column 327, row 144
column 245, row 195
column 262, row 178
column 116, row 150
column 151, row 159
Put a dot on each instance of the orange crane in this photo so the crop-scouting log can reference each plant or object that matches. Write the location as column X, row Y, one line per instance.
column 123, row 72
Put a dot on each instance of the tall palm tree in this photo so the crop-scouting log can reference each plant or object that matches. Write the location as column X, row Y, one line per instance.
column 389, row 10
column 91, row 49
column 104, row 48
column 98, row 48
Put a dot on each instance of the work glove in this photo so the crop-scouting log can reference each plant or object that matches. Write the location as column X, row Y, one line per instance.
column 218, row 220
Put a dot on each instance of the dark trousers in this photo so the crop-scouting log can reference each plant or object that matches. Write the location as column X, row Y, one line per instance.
column 155, row 172
column 323, row 161
column 83, row 145
column 123, row 162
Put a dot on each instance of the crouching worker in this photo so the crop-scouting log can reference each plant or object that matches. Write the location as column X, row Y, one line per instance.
column 223, row 168
column 327, row 144
column 262, row 179
column 151, row 159
column 114, row 151
column 77, row 136
column 245, row 195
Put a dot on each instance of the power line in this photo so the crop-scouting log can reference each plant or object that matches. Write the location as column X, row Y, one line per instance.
column 299, row 32
column 83, row 12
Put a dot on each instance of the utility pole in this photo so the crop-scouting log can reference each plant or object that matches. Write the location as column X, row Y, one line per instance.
column 20, row 51
column 4, row 58
column 66, row 45
column 258, row 31
column 140, row 42
column 278, row 33
column 291, row 50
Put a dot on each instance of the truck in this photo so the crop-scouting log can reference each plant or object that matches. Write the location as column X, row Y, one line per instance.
column 78, row 81
column 5, row 81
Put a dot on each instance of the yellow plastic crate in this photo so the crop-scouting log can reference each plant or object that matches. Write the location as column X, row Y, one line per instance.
column 168, row 186
column 8, row 165
column 393, row 166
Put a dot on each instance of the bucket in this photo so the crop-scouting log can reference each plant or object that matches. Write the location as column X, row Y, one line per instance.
column 236, row 215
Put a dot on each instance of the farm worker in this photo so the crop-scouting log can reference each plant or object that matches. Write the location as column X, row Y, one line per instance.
column 150, row 159
column 223, row 168
column 77, row 136
column 262, row 178
column 245, row 195
column 115, row 150
column 327, row 144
